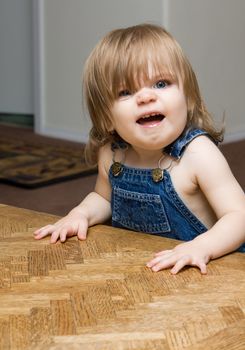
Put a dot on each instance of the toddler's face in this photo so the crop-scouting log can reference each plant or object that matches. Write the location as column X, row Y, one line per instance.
column 153, row 116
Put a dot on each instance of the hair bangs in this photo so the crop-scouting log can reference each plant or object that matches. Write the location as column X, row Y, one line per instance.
column 141, row 61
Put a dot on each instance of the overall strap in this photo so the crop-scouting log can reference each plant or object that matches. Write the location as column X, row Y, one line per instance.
column 176, row 149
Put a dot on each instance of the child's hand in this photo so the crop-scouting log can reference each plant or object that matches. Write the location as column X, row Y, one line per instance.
column 73, row 224
column 188, row 253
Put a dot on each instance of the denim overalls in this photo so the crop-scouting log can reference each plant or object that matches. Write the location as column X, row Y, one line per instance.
column 140, row 204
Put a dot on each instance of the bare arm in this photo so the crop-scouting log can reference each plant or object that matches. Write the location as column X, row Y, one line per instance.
column 94, row 209
column 227, row 199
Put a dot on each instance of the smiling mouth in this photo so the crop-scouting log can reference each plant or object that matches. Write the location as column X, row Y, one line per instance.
column 150, row 120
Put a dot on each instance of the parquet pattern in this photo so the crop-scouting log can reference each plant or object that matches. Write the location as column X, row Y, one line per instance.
column 98, row 294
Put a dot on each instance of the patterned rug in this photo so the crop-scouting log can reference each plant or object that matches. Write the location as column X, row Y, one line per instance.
column 33, row 165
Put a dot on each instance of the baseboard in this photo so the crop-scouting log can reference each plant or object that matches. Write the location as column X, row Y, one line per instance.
column 234, row 137
column 64, row 134
column 21, row 120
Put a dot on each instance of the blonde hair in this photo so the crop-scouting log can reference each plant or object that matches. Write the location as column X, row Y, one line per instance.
column 122, row 58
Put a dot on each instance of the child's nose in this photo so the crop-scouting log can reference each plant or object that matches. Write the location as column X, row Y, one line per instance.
column 145, row 96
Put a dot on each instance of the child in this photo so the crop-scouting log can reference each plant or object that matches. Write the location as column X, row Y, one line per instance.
column 159, row 169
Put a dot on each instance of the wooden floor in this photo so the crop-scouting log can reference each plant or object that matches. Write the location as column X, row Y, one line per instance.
column 98, row 294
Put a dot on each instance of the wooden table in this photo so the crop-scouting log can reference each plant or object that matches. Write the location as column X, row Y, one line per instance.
column 98, row 294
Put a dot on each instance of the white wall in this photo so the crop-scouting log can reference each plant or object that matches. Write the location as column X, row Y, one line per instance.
column 212, row 33
column 16, row 83
column 69, row 30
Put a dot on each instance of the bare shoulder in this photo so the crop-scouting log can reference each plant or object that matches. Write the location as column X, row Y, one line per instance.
column 200, row 143
column 202, row 154
column 211, row 170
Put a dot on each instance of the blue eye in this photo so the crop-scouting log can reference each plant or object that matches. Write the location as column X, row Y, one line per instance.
column 124, row 93
column 161, row 84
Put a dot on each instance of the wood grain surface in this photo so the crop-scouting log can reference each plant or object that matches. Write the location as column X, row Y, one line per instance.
column 98, row 294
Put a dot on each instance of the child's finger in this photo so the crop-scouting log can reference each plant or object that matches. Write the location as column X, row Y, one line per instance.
column 203, row 268
column 163, row 252
column 154, row 261
column 183, row 261
column 82, row 230
column 160, row 263
column 44, row 231
column 54, row 236
column 63, row 235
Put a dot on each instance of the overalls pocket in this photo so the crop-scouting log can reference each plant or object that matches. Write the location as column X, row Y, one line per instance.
column 139, row 211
